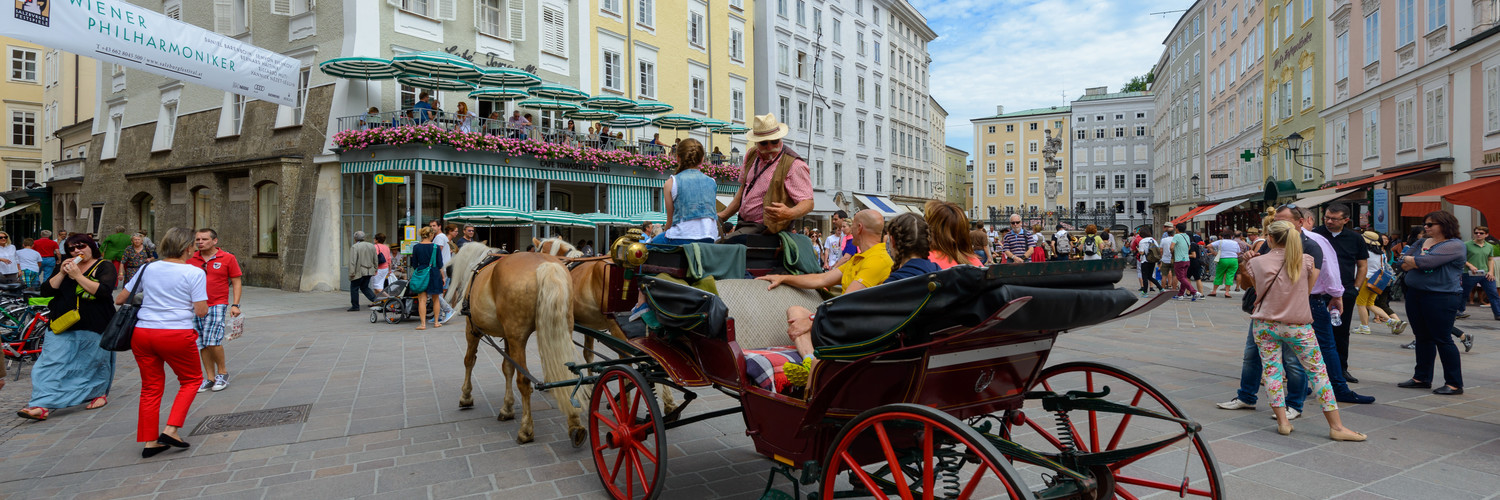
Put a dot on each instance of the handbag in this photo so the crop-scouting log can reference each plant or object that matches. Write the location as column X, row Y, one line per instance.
column 70, row 318
column 417, row 283
column 1382, row 279
column 117, row 335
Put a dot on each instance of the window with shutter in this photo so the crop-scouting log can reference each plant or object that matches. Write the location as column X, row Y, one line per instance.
column 1492, row 99
column 223, row 17
column 488, row 17
column 517, row 18
column 554, row 32
column 281, row 7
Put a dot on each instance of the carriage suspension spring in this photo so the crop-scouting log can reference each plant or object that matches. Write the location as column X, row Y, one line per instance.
column 1065, row 430
column 948, row 464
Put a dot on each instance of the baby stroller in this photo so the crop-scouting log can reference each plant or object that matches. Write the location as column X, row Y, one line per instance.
column 397, row 307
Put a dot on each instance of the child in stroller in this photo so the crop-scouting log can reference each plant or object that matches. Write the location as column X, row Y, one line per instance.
column 396, row 307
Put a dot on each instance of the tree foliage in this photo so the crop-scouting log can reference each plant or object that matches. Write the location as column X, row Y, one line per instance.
column 1140, row 83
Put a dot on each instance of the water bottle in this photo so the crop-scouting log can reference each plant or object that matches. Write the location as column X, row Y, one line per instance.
column 1334, row 318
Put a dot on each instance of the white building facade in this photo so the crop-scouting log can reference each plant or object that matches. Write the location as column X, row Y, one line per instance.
column 1177, row 130
column 1112, row 154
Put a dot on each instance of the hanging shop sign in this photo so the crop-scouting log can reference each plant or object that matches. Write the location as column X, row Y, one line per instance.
column 389, row 179
column 115, row 31
column 1382, row 211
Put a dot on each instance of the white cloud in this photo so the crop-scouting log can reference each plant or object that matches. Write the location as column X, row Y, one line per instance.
column 1027, row 54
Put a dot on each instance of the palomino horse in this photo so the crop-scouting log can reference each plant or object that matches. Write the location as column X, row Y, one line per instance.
column 519, row 294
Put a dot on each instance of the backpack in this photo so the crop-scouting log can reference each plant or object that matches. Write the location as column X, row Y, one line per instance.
column 1154, row 254
column 1090, row 246
column 1062, row 244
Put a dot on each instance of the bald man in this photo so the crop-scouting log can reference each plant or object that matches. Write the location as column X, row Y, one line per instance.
column 865, row 269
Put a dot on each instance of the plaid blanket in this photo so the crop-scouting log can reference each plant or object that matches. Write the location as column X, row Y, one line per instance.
column 764, row 366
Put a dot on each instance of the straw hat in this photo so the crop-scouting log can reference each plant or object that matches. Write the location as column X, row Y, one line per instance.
column 1253, row 230
column 766, row 128
column 1372, row 237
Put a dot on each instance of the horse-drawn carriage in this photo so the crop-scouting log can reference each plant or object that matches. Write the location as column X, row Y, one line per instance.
column 930, row 387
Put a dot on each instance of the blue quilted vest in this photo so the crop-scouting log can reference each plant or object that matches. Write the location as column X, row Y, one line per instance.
column 695, row 197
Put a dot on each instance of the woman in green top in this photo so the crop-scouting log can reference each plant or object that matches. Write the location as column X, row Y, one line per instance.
column 1480, row 270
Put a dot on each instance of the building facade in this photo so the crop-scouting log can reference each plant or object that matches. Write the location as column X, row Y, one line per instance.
column 26, row 126
column 1177, row 131
column 937, row 158
column 826, row 74
column 1293, row 83
column 1236, row 96
column 911, row 128
column 1009, row 175
column 1398, row 69
column 1111, row 147
column 68, row 100
column 696, row 56
column 956, row 177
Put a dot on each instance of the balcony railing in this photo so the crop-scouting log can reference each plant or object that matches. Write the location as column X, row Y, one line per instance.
column 605, row 140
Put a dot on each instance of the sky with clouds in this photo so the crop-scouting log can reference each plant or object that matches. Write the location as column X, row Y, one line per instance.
column 1026, row 54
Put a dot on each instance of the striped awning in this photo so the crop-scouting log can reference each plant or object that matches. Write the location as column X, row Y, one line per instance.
column 558, row 92
column 432, row 83
column 609, row 102
column 560, row 218
column 507, row 77
column 648, row 107
column 494, row 94
column 487, row 214
column 604, row 219
column 360, row 68
column 880, row 204
column 622, row 176
column 628, row 121
column 437, row 65
column 649, row 217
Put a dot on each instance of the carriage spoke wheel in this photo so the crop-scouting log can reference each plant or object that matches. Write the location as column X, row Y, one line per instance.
column 909, row 451
column 627, row 435
column 1185, row 468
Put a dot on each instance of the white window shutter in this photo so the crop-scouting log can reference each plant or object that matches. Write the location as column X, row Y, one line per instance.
column 517, row 20
column 281, row 7
column 394, row 3
column 447, row 10
column 554, row 39
column 223, row 17
column 478, row 16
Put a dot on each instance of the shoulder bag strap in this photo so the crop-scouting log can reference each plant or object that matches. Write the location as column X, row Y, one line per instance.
column 1264, row 289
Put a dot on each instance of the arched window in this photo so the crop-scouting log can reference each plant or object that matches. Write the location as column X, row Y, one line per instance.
column 145, row 213
column 267, row 214
column 202, row 208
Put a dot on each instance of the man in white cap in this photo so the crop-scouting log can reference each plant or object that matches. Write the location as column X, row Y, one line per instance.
column 775, row 185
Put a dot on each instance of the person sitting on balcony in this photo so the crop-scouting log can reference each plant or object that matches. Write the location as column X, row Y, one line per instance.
column 775, row 183
column 423, row 108
column 717, row 156
column 466, row 118
column 494, row 123
column 528, row 129
column 517, row 125
column 371, row 119
column 656, row 139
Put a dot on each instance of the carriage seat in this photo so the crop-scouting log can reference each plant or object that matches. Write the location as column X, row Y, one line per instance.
column 760, row 314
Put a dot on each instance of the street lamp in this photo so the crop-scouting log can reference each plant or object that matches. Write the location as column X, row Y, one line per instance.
column 1196, row 181
column 899, row 182
column 1294, row 143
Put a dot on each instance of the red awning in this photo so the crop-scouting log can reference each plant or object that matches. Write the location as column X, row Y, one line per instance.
column 1190, row 213
column 1419, row 208
column 1383, row 178
column 1482, row 193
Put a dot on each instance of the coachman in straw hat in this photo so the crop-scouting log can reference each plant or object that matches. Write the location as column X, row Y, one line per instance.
column 775, row 186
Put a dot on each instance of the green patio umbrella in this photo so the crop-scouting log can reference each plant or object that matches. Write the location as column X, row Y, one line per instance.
column 360, row 68
column 604, row 219
column 435, row 64
column 548, row 105
column 648, row 107
column 506, row 77
column 591, row 114
column 493, row 94
column 711, row 123
column 649, row 217
column 435, row 83
column 610, row 102
column 488, row 214
column 560, row 218
column 677, row 122
column 627, row 121
column 732, row 130
column 558, row 92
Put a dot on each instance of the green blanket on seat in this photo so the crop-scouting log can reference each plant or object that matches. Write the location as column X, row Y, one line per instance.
column 799, row 255
column 706, row 260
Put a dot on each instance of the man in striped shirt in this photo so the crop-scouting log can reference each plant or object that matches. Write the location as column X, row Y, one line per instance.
column 1017, row 242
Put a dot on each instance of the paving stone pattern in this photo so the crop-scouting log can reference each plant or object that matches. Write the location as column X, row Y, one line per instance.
column 385, row 421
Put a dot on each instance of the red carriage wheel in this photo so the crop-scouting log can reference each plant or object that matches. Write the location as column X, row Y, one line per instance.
column 627, row 435
column 910, row 451
column 1185, row 468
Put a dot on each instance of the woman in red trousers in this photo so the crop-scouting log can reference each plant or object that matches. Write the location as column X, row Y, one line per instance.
column 174, row 292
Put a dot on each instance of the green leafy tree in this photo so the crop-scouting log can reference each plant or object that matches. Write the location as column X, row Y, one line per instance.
column 1140, row 83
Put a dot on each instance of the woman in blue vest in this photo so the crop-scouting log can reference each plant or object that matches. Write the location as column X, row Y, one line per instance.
column 691, row 216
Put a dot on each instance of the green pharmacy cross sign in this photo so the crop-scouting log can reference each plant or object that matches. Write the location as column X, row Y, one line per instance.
column 1247, row 155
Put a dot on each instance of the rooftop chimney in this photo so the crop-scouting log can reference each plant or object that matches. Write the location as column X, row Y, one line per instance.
column 1096, row 91
column 999, row 110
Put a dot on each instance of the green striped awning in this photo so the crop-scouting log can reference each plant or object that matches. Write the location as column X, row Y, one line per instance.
column 625, row 201
column 360, row 68
column 645, row 217
column 516, row 194
column 604, row 219
column 560, row 218
column 487, row 214
column 436, row 64
column 507, row 77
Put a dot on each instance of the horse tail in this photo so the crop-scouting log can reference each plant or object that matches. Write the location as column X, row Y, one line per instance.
column 554, row 323
column 464, row 262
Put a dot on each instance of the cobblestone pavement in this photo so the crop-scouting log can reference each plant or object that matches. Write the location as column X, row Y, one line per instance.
column 385, row 421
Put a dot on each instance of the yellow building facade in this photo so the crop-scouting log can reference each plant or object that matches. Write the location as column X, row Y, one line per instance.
column 1008, row 162
column 21, row 152
column 692, row 55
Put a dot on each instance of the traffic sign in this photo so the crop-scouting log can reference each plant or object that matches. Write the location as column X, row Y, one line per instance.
column 389, row 179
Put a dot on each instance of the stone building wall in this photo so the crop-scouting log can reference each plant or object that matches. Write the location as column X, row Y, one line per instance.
column 231, row 168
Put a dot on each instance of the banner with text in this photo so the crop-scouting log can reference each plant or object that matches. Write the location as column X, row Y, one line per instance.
column 115, row 31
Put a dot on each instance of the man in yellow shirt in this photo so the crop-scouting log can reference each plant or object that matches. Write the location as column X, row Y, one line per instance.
column 867, row 268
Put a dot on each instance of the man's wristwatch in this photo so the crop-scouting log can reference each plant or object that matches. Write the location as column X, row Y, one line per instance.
column 234, row 305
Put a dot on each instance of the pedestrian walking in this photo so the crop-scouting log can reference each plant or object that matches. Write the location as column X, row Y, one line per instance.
column 383, row 264
column 136, row 255
column 427, row 258
column 45, row 246
column 1282, row 318
column 113, row 247
column 948, row 235
column 441, row 238
column 1227, row 251
column 30, row 263
column 73, row 370
column 1479, row 270
column 1349, row 249
column 1017, row 241
column 1327, row 297
column 173, row 293
column 1148, row 253
column 363, row 264
column 222, row 271
column 1434, row 268
column 1364, row 304
column 1180, row 248
column 1091, row 246
column 1167, row 232
column 10, row 270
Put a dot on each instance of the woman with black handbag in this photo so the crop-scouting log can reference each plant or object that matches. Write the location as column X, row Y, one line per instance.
column 172, row 294
column 73, row 369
